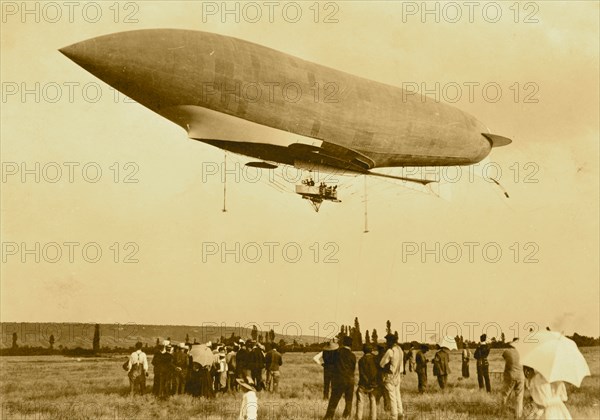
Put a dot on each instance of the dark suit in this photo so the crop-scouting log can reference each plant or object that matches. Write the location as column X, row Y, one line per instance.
column 257, row 364
column 163, row 370
column 483, row 374
column 441, row 366
column 421, row 367
column 328, row 367
column 343, row 382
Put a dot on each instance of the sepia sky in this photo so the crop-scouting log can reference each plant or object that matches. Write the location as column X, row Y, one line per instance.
column 414, row 266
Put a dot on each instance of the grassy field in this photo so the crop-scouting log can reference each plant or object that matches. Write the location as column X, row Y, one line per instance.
column 55, row 387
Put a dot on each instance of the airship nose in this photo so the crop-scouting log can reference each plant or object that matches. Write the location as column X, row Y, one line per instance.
column 73, row 52
column 137, row 63
column 102, row 56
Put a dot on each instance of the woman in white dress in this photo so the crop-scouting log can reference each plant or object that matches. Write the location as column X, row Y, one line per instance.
column 249, row 409
column 548, row 397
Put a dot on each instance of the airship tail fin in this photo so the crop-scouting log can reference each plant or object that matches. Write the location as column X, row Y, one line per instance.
column 496, row 140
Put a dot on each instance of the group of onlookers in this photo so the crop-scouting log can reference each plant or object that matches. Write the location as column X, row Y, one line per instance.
column 380, row 371
column 176, row 371
column 251, row 367
column 379, row 375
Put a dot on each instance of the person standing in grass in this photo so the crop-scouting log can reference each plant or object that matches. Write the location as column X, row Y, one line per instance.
column 137, row 370
column 326, row 359
column 549, row 398
column 181, row 363
column 249, row 408
column 242, row 361
column 230, row 358
column 273, row 361
column 368, row 373
column 393, row 365
column 162, row 362
column 483, row 366
column 421, row 367
column 514, row 379
column 380, row 391
column 343, row 379
column 257, row 364
column 466, row 357
column 441, row 367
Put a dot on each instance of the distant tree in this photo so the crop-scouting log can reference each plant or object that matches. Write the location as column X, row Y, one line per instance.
column 282, row 343
column 342, row 333
column 388, row 327
column 51, row 341
column 584, row 341
column 260, row 338
column 374, row 338
column 272, row 336
column 254, row 333
column 459, row 341
column 356, row 336
column 502, row 338
column 157, row 342
column 96, row 341
column 14, row 340
column 396, row 335
column 187, row 338
column 367, row 337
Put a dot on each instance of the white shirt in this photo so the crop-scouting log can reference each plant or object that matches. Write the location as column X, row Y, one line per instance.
column 319, row 359
column 249, row 410
column 138, row 356
column 394, row 356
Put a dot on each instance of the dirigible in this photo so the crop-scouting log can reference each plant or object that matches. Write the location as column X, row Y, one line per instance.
column 280, row 109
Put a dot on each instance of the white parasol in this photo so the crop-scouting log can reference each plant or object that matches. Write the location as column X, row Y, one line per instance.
column 448, row 342
column 555, row 356
column 202, row 354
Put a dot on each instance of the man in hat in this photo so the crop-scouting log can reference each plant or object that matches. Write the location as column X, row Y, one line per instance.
column 406, row 348
column 257, row 364
column 421, row 367
column 368, row 372
column 326, row 360
column 249, row 408
column 393, row 365
column 242, row 361
column 137, row 370
column 273, row 361
column 441, row 366
column 230, row 358
column 481, row 355
column 514, row 379
column 343, row 379
column 466, row 357
column 162, row 362
column 181, row 363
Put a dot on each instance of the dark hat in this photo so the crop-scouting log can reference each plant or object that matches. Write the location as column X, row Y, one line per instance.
column 347, row 341
column 391, row 338
column 424, row 347
column 367, row 348
column 483, row 337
